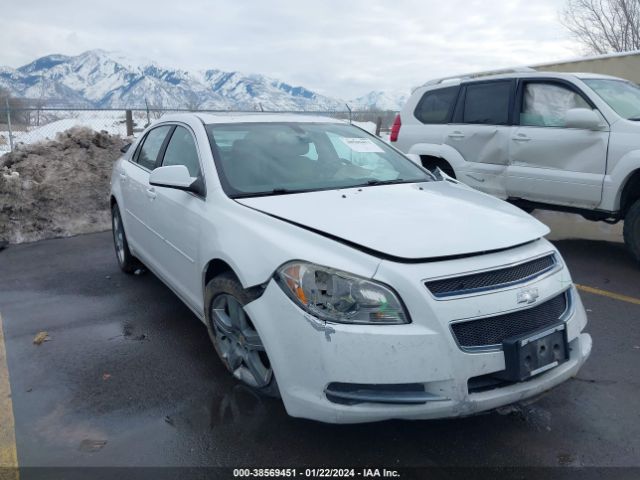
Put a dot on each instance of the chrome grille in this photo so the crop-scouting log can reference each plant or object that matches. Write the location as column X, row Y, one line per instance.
column 491, row 331
column 492, row 279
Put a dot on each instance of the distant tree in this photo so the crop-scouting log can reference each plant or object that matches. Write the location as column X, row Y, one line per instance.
column 604, row 26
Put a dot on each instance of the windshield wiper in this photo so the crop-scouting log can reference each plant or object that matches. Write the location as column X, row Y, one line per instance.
column 275, row 191
column 388, row 182
column 634, row 119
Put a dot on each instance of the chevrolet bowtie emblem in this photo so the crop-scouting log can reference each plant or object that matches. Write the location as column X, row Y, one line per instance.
column 528, row 296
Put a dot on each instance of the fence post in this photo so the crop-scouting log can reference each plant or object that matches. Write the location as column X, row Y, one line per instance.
column 129, row 122
column 348, row 108
column 378, row 126
column 9, row 125
column 148, row 117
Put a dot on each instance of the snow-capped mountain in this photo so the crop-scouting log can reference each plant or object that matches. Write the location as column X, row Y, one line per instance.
column 379, row 100
column 112, row 80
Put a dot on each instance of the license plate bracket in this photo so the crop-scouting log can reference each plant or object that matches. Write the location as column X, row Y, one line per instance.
column 534, row 353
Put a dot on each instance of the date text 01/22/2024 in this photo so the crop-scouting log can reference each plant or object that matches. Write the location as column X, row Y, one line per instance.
column 316, row 473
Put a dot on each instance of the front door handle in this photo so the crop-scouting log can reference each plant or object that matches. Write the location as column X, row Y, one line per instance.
column 456, row 134
column 521, row 137
column 123, row 176
column 151, row 193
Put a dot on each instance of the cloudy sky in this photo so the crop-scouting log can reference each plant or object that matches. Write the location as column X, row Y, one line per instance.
column 342, row 48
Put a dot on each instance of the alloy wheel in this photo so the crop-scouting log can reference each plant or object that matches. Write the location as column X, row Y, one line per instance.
column 118, row 236
column 238, row 342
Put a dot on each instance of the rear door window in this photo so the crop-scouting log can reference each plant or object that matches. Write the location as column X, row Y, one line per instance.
column 147, row 154
column 487, row 103
column 435, row 106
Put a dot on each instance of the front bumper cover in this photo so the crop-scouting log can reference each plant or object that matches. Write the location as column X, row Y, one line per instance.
column 308, row 355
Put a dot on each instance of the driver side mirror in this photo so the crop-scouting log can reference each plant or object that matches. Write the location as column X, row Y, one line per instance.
column 582, row 118
column 175, row 176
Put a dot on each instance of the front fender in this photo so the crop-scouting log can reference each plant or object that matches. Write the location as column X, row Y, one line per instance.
column 235, row 234
column 617, row 178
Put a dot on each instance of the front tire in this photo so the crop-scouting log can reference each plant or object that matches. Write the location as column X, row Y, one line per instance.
column 234, row 337
column 632, row 230
column 126, row 261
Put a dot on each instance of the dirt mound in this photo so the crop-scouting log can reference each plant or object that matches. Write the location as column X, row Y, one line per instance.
column 57, row 188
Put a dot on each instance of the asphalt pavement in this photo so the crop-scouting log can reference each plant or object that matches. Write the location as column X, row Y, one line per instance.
column 128, row 378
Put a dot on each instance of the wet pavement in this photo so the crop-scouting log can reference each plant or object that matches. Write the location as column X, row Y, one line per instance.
column 129, row 378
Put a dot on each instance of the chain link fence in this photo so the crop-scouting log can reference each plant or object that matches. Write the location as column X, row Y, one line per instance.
column 24, row 126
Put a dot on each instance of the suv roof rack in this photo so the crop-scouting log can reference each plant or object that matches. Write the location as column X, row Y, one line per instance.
column 486, row 73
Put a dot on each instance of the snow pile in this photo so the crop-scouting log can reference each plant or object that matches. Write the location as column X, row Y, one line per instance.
column 58, row 187
column 112, row 122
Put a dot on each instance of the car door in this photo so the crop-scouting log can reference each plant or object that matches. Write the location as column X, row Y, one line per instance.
column 549, row 162
column 480, row 133
column 176, row 217
column 136, row 190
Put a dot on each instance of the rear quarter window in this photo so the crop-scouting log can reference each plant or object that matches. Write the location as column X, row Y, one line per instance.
column 435, row 105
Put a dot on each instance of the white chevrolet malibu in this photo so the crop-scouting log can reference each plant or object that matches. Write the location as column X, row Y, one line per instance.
column 334, row 272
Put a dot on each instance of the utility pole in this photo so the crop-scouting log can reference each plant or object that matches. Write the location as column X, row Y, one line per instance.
column 6, row 100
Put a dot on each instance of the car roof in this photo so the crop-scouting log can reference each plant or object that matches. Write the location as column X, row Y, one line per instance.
column 257, row 117
column 470, row 78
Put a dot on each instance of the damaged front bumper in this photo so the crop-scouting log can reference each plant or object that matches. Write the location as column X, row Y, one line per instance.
column 360, row 373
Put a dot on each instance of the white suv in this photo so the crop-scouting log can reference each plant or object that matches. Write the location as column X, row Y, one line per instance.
column 331, row 270
column 558, row 141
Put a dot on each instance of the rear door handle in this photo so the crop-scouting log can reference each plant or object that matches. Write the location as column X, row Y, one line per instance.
column 456, row 134
column 151, row 193
column 521, row 137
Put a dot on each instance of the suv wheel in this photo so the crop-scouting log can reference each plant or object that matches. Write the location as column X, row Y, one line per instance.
column 234, row 336
column 127, row 262
column 632, row 230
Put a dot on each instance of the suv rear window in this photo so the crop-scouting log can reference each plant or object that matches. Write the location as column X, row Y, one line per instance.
column 487, row 103
column 435, row 105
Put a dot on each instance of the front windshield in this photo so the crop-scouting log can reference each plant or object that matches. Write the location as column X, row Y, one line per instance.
column 622, row 96
column 276, row 158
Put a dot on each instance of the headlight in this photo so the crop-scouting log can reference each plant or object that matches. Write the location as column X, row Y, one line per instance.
column 337, row 296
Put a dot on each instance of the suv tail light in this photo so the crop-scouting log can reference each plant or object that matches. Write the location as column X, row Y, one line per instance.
column 395, row 129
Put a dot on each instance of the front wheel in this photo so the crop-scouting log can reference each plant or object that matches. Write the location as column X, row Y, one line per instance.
column 234, row 336
column 632, row 230
column 126, row 261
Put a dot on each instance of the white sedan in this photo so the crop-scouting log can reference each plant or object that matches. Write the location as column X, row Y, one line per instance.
column 332, row 271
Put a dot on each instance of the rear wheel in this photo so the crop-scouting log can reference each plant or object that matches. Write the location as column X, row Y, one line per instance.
column 632, row 230
column 127, row 262
column 234, row 335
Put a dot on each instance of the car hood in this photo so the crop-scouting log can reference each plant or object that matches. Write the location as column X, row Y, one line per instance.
column 407, row 221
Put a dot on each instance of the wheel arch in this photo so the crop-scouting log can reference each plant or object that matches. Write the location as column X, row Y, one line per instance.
column 213, row 268
column 430, row 162
column 218, row 266
column 631, row 192
column 445, row 157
